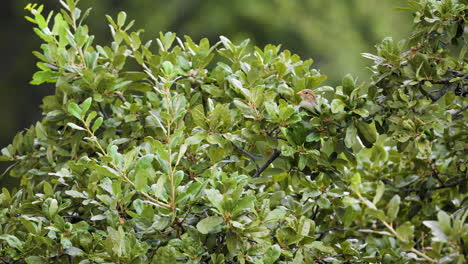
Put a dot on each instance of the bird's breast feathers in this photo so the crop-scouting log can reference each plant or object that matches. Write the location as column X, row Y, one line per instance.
column 307, row 104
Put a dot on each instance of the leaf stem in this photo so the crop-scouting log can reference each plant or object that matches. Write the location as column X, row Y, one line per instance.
column 167, row 95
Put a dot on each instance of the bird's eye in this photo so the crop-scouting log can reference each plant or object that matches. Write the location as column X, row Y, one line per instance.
column 306, row 92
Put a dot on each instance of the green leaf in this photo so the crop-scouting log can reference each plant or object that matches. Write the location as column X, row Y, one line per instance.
column 144, row 170
column 12, row 241
column 85, row 106
column 393, row 208
column 75, row 110
column 356, row 182
column 402, row 95
column 348, row 84
column 337, row 106
column 361, row 111
column 73, row 251
column 233, row 242
column 195, row 139
column 245, row 203
column 168, row 68
column 76, row 194
column 178, row 177
column 243, row 107
column 211, row 224
column 166, row 254
column 53, row 207
column 272, row 254
column 29, row 225
column 313, row 137
column 272, row 109
column 141, row 179
column 285, row 112
column 306, row 226
column 379, row 191
column 406, row 232
column 166, row 40
column 320, row 246
column 193, row 190
column 121, row 17
column 437, row 232
column 97, row 124
column 75, row 126
column 121, row 85
column 275, row 215
column 48, row 191
column 444, row 222
column 216, row 198
column 198, row 115
column 367, row 133
column 35, row 260
column 323, row 202
column 90, row 117
column 351, row 136
column 41, row 77
column 379, row 214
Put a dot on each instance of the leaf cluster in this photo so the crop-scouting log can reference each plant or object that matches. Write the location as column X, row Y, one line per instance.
column 172, row 151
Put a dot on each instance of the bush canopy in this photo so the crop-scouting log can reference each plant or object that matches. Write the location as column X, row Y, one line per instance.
column 171, row 151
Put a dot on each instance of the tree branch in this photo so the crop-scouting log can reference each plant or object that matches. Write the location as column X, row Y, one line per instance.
column 442, row 92
column 275, row 155
column 449, row 86
column 121, row 97
column 449, row 185
column 322, row 233
column 369, row 117
column 459, row 111
column 247, row 154
column 101, row 109
column 442, row 186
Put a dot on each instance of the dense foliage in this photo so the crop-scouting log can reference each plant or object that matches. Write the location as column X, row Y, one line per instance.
column 197, row 153
column 333, row 32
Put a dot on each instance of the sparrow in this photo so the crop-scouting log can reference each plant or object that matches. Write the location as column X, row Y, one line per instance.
column 308, row 99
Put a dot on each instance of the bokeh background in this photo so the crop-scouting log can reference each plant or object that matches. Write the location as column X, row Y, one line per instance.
column 332, row 32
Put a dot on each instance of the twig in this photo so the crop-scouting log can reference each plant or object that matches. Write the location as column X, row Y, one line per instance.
column 449, row 185
column 101, row 109
column 275, row 155
column 272, row 131
column 322, row 233
column 369, row 117
column 456, row 73
column 248, row 154
column 8, row 169
column 459, row 111
column 435, row 174
column 461, row 210
column 448, row 87
column 314, row 214
column 328, row 230
column 121, row 97
column 442, row 92
column 442, row 186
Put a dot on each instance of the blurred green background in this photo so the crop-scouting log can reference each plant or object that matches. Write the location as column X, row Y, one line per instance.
column 332, row 32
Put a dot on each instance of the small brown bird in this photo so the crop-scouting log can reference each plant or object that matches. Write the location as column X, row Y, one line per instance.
column 308, row 98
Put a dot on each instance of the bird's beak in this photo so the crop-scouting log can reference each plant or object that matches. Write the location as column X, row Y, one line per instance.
column 300, row 93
